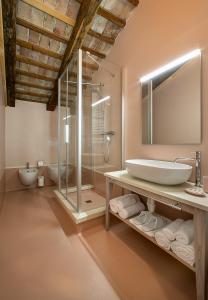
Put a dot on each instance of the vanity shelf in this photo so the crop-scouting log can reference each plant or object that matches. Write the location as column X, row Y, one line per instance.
column 151, row 239
column 176, row 198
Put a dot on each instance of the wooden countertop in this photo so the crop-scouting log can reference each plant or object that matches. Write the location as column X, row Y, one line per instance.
column 176, row 193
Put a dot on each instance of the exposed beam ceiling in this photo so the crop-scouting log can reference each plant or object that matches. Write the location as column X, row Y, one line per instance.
column 9, row 23
column 19, row 97
column 85, row 17
column 36, row 63
column 28, row 93
column 34, row 75
column 33, row 85
column 33, row 47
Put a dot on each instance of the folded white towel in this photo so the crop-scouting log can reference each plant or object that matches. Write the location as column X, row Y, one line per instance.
column 123, row 201
column 154, row 223
column 185, row 252
column 143, row 217
column 185, row 233
column 171, row 229
column 162, row 240
column 129, row 211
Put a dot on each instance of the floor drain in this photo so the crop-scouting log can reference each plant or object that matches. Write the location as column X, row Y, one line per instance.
column 88, row 201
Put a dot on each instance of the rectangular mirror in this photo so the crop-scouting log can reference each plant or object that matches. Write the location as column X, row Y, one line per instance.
column 171, row 102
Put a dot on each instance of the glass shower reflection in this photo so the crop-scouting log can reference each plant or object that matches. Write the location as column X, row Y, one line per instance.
column 89, row 127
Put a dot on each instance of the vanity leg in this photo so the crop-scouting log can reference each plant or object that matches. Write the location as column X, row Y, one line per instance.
column 109, row 189
column 201, row 254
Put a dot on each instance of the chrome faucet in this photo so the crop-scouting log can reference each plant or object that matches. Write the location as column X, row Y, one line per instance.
column 197, row 160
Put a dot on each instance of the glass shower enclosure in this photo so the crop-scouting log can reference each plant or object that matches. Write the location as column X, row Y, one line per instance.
column 86, row 137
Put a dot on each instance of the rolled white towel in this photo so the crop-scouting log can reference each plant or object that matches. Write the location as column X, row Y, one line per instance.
column 154, row 223
column 185, row 233
column 171, row 229
column 162, row 240
column 185, row 252
column 129, row 211
column 123, row 201
column 143, row 217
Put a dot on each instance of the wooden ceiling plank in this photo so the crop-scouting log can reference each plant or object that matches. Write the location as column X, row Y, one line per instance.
column 41, row 30
column 28, row 93
column 50, row 11
column 33, row 47
column 94, row 52
column 19, row 97
column 34, row 75
column 85, row 17
column 101, row 37
column 9, row 27
column 36, row 63
column 33, row 85
column 92, row 67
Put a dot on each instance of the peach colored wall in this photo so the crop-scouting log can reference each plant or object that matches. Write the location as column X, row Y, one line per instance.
column 31, row 134
column 156, row 33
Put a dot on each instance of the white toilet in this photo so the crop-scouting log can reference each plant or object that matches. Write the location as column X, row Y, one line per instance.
column 53, row 172
column 28, row 176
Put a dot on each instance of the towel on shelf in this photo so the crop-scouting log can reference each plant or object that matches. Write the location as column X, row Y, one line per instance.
column 155, row 222
column 123, row 201
column 185, row 233
column 185, row 252
column 171, row 229
column 129, row 211
column 162, row 239
column 143, row 217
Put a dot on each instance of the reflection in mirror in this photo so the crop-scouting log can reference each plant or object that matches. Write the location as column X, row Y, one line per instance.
column 171, row 103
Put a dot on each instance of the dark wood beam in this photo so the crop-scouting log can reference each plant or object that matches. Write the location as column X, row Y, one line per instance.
column 85, row 17
column 101, row 37
column 9, row 27
column 134, row 2
column 39, row 49
column 111, row 17
column 36, row 63
column 41, row 30
column 27, row 93
column 33, row 85
column 89, row 66
column 34, row 75
column 94, row 52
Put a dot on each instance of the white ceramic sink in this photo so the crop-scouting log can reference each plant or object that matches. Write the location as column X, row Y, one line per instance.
column 161, row 172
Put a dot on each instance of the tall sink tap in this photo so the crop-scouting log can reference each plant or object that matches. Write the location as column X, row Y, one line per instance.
column 197, row 160
column 198, row 168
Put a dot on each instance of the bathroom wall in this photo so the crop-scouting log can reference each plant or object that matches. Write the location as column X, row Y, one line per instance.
column 2, row 113
column 31, row 135
column 156, row 33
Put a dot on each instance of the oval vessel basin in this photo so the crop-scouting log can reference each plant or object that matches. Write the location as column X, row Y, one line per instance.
column 161, row 172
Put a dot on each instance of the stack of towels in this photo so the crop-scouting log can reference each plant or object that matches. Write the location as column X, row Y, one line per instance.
column 149, row 222
column 127, row 206
column 179, row 237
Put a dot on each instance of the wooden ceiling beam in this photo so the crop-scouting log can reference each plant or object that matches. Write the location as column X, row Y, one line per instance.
column 101, row 37
column 27, row 93
column 89, row 66
column 34, row 75
column 50, row 11
column 111, row 17
column 33, row 85
column 9, row 27
column 30, row 61
column 39, row 49
column 94, row 52
column 85, row 17
column 134, row 2
column 41, row 30
column 19, row 97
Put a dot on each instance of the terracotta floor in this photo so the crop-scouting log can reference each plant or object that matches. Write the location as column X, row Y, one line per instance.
column 38, row 260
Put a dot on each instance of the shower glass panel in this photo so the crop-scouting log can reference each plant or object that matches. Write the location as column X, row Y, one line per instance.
column 68, row 88
column 90, row 132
